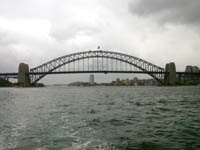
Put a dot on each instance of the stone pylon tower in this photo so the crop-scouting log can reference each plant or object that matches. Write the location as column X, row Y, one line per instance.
column 23, row 78
column 170, row 76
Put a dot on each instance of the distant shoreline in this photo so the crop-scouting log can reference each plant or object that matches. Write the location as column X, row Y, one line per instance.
column 6, row 83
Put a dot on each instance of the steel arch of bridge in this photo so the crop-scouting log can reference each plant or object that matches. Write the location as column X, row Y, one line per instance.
column 39, row 72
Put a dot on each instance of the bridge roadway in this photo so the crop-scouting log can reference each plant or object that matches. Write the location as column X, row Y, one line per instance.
column 9, row 75
column 15, row 75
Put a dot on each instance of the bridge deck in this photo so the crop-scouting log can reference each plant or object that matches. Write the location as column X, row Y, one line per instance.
column 102, row 71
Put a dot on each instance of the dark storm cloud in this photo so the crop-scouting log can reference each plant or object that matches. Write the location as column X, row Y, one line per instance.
column 168, row 11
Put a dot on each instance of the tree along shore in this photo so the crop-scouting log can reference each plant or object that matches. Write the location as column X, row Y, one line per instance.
column 5, row 83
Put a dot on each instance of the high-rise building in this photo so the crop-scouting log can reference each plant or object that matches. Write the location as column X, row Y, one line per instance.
column 91, row 79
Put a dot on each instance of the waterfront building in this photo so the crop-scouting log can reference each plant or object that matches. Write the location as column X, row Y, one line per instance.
column 188, row 69
column 135, row 80
column 118, row 80
column 126, row 82
column 189, row 79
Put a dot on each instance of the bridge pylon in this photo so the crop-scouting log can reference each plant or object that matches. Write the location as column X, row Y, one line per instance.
column 23, row 77
column 170, row 75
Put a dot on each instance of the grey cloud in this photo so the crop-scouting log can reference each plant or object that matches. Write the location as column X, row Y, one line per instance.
column 71, row 31
column 16, row 48
column 7, row 38
column 168, row 11
column 7, row 57
column 26, row 8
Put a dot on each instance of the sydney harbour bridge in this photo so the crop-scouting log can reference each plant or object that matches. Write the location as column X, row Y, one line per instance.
column 98, row 61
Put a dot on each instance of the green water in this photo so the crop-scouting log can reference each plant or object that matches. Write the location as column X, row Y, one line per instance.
column 100, row 118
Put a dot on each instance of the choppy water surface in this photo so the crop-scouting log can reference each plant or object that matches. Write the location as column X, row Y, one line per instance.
column 94, row 118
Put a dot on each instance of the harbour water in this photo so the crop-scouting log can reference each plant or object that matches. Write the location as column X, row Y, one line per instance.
column 100, row 118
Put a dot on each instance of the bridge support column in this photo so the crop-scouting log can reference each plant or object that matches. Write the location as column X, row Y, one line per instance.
column 170, row 76
column 23, row 78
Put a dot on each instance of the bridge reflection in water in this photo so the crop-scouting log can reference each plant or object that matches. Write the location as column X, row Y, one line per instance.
column 96, row 62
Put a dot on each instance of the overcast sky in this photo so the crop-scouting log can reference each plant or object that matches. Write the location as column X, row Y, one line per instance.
column 159, row 31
